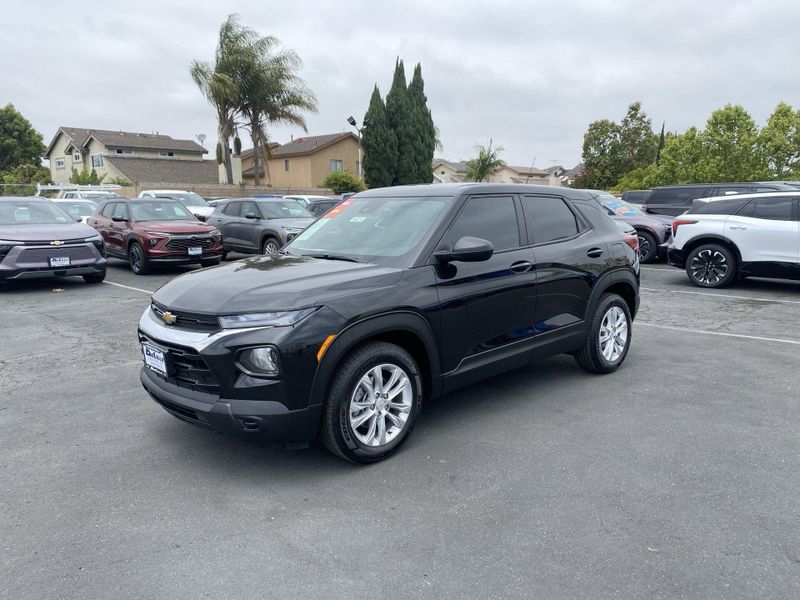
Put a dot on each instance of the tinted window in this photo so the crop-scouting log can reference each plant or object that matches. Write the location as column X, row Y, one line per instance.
column 489, row 218
column 232, row 209
column 548, row 219
column 120, row 210
column 774, row 209
column 249, row 208
column 108, row 209
column 729, row 190
column 597, row 216
column 717, row 207
column 677, row 195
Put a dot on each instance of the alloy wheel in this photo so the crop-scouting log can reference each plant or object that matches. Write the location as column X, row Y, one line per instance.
column 136, row 258
column 380, row 405
column 270, row 248
column 613, row 334
column 708, row 266
column 644, row 247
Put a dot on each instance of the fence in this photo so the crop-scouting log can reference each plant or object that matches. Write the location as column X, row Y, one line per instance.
column 205, row 190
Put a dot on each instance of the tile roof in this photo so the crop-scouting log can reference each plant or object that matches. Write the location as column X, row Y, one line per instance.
column 310, row 144
column 165, row 170
column 127, row 139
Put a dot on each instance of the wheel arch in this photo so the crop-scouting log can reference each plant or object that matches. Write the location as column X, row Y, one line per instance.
column 693, row 243
column 406, row 329
column 622, row 282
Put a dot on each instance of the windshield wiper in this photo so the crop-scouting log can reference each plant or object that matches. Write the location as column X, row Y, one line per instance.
column 327, row 256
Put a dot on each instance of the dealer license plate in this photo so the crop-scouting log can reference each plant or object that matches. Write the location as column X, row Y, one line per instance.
column 195, row 251
column 154, row 358
column 59, row 261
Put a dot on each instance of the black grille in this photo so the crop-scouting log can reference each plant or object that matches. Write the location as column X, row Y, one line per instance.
column 186, row 243
column 187, row 320
column 49, row 243
column 185, row 367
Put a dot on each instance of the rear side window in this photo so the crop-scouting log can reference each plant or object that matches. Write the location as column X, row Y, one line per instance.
column 232, row 209
column 598, row 217
column 677, row 195
column 718, row 207
column 490, row 218
column 548, row 219
column 730, row 190
column 774, row 209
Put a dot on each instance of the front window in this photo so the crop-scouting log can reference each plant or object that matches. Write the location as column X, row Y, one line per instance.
column 79, row 209
column 336, row 165
column 166, row 154
column 283, row 210
column 32, row 212
column 286, row 164
column 77, row 157
column 97, row 160
column 619, row 207
column 159, row 210
column 371, row 229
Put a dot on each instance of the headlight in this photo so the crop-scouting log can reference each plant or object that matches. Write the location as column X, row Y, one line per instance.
column 291, row 229
column 259, row 361
column 270, row 319
column 94, row 239
column 157, row 233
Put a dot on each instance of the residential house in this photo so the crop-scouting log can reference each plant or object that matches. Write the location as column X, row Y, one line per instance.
column 248, row 165
column 303, row 163
column 136, row 157
column 445, row 171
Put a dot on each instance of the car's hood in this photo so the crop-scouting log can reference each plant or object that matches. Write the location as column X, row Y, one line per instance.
column 38, row 233
column 264, row 283
column 665, row 219
column 298, row 222
column 179, row 227
column 201, row 210
column 643, row 221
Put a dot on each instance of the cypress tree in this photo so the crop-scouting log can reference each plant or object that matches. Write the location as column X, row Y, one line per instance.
column 379, row 144
column 401, row 120
column 425, row 132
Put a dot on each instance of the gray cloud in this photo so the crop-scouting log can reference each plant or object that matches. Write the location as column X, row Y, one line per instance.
column 530, row 75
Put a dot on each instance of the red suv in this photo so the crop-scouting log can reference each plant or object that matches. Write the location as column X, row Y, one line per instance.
column 150, row 232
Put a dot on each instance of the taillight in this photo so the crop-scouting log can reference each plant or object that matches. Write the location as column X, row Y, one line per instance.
column 632, row 240
column 678, row 222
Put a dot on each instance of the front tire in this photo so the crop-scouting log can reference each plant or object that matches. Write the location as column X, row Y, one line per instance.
column 270, row 247
column 373, row 403
column 711, row 266
column 96, row 278
column 609, row 336
column 137, row 259
column 648, row 247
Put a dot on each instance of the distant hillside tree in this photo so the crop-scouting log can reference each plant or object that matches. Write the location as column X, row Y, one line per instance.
column 379, row 144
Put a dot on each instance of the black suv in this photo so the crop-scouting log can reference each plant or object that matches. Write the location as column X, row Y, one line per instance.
column 677, row 199
column 395, row 295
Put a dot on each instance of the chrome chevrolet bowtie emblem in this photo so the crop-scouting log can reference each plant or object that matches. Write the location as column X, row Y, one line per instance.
column 56, row 243
column 168, row 317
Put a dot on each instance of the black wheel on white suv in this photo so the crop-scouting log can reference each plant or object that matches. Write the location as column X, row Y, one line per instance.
column 711, row 266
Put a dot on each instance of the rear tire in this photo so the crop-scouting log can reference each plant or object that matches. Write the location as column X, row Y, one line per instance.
column 609, row 336
column 98, row 278
column 364, row 421
column 648, row 247
column 137, row 259
column 711, row 266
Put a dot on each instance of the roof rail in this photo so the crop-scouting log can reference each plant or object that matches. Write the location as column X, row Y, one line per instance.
column 72, row 187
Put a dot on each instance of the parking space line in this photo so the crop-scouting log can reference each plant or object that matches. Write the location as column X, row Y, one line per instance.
column 657, row 269
column 732, row 296
column 130, row 287
column 720, row 333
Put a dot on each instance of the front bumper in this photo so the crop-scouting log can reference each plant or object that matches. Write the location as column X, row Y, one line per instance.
column 183, row 259
column 32, row 261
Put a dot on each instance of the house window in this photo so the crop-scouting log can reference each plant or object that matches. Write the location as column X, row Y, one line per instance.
column 124, row 152
column 77, row 157
column 164, row 153
column 59, row 163
column 441, row 172
column 336, row 165
column 97, row 160
column 286, row 164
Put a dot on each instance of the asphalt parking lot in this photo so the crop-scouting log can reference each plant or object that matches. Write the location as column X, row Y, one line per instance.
column 676, row 477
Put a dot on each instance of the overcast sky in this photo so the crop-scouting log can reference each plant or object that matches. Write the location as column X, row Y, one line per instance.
column 531, row 75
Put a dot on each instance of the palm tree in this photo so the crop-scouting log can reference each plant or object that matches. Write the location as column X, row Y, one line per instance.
column 220, row 82
column 486, row 163
column 271, row 93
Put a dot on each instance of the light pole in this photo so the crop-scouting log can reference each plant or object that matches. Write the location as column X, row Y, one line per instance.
column 358, row 129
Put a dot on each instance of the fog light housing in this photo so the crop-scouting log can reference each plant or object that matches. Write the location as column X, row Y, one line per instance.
column 261, row 361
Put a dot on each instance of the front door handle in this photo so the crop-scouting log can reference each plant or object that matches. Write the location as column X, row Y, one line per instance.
column 738, row 227
column 521, row 266
column 594, row 252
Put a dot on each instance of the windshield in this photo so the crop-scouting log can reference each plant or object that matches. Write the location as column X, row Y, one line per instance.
column 98, row 195
column 189, row 199
column 620, row 207
column 32, row 212
column 283, row 210
column 79, row 209
column 370, row 228
column 159, row 210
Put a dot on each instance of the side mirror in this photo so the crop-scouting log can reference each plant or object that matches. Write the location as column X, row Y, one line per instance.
column 251, row 215
column 467, row 249
column 78, row 219
column 119, row 219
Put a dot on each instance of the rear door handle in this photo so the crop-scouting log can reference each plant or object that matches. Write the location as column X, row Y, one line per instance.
column 521, row 266
column 594, row 252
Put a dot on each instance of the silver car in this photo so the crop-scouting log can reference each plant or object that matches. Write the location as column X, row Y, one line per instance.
column 39, row 239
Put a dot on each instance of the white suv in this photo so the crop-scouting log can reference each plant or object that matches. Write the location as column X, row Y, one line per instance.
column 724, row 238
